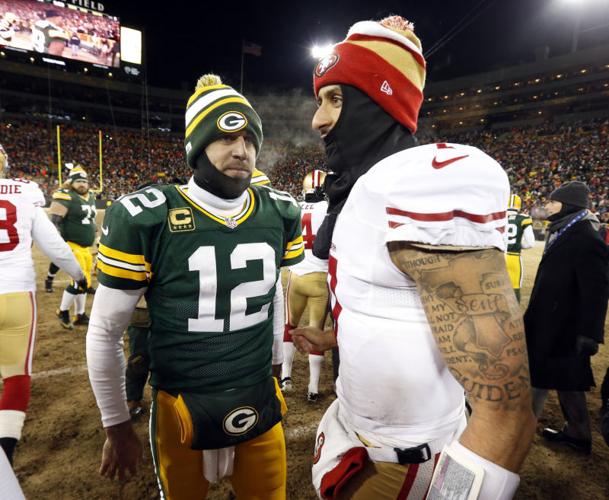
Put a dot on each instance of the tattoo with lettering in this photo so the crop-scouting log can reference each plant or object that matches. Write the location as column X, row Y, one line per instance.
column 474, row 317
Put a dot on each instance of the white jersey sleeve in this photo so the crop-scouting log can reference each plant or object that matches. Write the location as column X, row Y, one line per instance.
column 112, row 309
column 19, row 201
column 312, row 215
column 51, row 243
column 442, row 194
column 528, row 237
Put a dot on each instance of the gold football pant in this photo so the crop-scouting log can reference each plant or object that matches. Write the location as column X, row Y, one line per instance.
column 309, row 289
column 514, row 267
column 17, row 334
column 85, row 260
column 259, row 471
column 389, row 481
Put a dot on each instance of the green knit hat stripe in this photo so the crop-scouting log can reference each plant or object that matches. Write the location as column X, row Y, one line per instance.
column 212, row 113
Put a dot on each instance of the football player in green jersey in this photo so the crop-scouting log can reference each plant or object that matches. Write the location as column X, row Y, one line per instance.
column 519, row 235
column 207, row 257
column 138, row 363
column 73, row 212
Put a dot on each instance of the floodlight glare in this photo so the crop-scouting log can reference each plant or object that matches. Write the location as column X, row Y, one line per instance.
column 319, row 51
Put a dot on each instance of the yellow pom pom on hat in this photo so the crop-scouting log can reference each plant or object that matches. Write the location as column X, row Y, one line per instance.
column 384, row 60
column 213, row 111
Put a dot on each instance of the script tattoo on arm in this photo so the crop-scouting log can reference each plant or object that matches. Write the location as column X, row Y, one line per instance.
column 475, row 320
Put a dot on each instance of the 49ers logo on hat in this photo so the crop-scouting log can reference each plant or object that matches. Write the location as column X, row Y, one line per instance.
column 325, row 64
column 240, row 421
column 232, row 121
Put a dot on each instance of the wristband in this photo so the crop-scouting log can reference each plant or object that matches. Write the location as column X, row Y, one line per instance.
column 461, row 473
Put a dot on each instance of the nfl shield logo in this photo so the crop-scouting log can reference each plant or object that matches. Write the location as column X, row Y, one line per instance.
column 230, row 222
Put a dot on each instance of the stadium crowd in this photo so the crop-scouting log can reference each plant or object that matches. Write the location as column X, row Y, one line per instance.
column 537, row 159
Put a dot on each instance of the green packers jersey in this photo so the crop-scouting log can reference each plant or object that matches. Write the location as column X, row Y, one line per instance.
column 78, row 226
column 516, row 225
column 211, row 280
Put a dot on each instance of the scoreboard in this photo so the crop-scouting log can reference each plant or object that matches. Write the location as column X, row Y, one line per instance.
column 69, row 33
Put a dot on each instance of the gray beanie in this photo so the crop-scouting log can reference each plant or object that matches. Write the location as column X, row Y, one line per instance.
column 572, row 193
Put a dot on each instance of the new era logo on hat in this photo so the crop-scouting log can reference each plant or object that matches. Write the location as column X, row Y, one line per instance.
column 386, row 88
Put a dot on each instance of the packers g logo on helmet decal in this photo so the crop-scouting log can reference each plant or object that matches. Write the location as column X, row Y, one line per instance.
column 232, row 121
column 240, row 421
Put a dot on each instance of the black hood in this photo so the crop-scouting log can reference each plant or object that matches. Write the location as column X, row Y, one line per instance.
column 363, row 135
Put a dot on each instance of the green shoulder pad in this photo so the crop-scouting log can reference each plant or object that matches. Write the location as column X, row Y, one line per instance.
column 62, row 195
column 125, row 250
column 289, row 211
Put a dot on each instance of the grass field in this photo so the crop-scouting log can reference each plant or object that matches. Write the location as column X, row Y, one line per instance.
column 58, row 457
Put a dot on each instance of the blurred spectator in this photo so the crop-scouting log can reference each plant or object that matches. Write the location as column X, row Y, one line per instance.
column 565, row 319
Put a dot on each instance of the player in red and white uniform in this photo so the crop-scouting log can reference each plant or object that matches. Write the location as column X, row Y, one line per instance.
column 307, row 285
column 422, row 303
column 22, row 221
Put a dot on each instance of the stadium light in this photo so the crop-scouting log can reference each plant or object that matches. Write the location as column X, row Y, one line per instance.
column 319, row 51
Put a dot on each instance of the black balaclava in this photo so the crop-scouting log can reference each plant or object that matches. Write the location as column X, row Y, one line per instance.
column 316, row 196
column 363, row 135
column 221, row 185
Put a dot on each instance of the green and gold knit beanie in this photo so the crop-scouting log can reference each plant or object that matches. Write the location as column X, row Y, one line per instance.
column 77, row 174
column 213, row 111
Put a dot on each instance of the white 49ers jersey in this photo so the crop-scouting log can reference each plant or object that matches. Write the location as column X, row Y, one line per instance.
column 23, row 221
column 313, row 215
column 393, row 382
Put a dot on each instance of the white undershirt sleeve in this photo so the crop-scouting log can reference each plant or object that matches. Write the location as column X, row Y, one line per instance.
column 46, row 236
column 278, row 323
column 110, row 315
column 528, row 237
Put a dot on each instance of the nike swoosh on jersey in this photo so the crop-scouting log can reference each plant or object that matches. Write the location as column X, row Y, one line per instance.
column 104, row 230
column 441, row 164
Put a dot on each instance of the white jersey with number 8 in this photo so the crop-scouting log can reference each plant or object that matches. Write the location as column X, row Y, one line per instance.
column 23, row 221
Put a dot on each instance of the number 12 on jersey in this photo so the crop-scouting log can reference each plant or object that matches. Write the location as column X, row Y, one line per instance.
column 204, row 261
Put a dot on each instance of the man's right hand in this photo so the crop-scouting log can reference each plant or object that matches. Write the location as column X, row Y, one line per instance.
column 122, row 451
column 309, row 339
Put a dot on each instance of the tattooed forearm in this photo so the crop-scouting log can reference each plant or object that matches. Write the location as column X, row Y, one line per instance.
column 474, row 318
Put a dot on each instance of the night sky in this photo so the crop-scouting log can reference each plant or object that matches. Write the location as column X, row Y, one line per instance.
column 185, row 39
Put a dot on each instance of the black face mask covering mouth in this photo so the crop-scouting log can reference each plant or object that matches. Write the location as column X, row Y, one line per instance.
column 212, row 180
column 362, row 136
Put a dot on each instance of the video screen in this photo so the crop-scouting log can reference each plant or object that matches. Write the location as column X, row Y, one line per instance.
column 131, row 45
column 60, row 29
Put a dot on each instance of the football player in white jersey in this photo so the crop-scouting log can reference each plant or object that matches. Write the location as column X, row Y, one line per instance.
column 22, row 221
column 307, row 285
column 422, row 304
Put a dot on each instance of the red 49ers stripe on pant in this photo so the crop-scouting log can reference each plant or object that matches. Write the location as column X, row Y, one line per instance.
column 418, row 479
column 337, row 308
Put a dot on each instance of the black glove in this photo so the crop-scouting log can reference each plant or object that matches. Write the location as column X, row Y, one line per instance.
column 82, row 284
column 585, row 346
